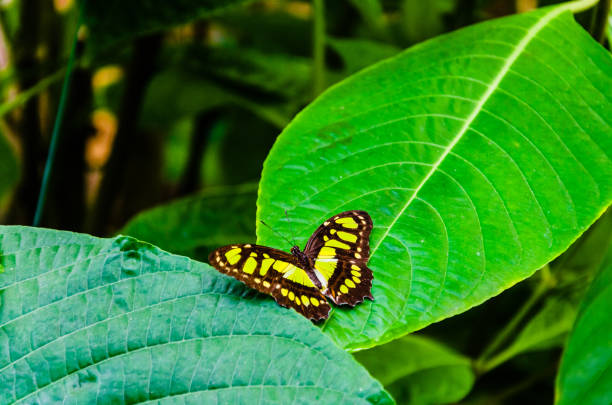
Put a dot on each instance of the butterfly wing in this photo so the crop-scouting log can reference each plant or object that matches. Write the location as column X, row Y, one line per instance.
column 340, row 248
column 272, row 272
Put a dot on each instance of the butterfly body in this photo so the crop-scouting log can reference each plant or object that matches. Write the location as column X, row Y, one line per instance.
column 306, row 264
column 333, row 264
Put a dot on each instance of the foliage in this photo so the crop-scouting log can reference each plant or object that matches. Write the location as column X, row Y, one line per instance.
column 449, row 156
column 132, row 323
column 418, row 370
column 476, row 134
column 182, row 227
column 585, row 374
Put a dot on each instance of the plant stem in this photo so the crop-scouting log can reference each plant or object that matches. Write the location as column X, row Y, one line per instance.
column 483, row 363
column 599, row 20
column 24, row 96
column 319, row 47
column 580, row 5
column 58, row 124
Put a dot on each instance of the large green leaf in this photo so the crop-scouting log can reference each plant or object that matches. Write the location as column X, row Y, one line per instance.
column 480, row 155
column 585, row 376
column 196, row 225
column 417, row 370
column 86, row 320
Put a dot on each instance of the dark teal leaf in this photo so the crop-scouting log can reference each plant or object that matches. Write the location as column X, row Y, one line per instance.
column 88, row 320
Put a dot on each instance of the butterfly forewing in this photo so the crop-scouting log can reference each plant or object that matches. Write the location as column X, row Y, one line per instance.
column 272, row 272
column 340, row 248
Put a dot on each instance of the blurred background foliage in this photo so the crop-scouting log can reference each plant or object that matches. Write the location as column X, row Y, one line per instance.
column 176, row 106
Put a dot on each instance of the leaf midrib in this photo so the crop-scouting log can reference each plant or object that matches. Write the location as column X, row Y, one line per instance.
column 514, row 55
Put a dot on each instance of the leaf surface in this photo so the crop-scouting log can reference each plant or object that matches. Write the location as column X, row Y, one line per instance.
column 86, row 320
column 585, row 375
column 480, row 156
column 196, row 225
column 418, row 370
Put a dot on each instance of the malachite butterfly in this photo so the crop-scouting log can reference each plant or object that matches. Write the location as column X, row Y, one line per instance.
column 333, row 264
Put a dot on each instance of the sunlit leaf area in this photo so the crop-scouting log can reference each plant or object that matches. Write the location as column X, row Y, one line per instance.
column 444, row 168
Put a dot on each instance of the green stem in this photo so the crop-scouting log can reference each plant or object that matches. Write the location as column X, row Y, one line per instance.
column 319, row 47
column 483, row 363
column 599, row 20
column 42, row 197
column 24, row 96
column 580, row 5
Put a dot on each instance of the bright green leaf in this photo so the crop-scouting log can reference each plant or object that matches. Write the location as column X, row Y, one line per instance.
column 585, row 375
column 480, row 155
column 196, row 225
column 86, row 320
column 112, row 21
column 417, row 370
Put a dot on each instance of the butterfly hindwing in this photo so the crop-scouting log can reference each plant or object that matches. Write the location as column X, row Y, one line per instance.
column 340, row 248
column 272, row 272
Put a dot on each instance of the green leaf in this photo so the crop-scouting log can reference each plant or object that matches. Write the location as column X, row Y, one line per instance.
column 424, row 19
column 86, row 320
column 357, row 54
column 548, row 328
column 480, row 155
column 192, row 95
column 196, row 225
column 417, row 370
column 113, row 21
column 585, row 375
column 373, row 15
column 275, row 73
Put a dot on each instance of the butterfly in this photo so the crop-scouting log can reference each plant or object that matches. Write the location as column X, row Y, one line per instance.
column 333, row 264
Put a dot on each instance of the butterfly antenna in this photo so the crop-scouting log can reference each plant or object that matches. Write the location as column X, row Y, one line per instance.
column 277, row 233
column 290, row 229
